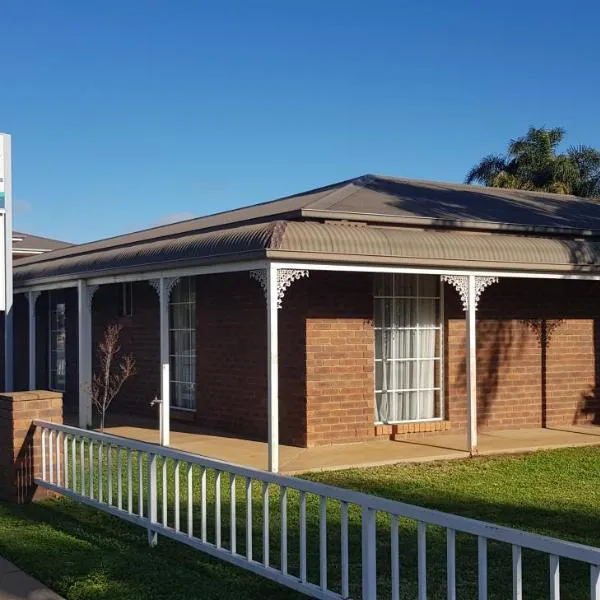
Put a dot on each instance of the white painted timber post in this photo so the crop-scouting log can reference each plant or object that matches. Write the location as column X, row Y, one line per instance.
column 84, row 341
column 369, row 558
column 273, row 368
column 165, row 405
column 471, row 366
column 32, row 298
column 152, row 497
column 594, row 582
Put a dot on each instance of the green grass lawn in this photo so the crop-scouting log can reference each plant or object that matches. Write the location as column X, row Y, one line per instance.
column 83, row 553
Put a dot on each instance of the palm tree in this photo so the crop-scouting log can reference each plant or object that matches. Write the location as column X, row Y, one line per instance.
column 533, row 162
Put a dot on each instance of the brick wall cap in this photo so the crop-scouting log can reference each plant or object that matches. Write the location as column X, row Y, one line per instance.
column 31, row 395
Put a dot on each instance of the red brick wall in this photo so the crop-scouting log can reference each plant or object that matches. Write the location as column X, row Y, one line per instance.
column 514, row 389
column 339, row 358
column 20, row 459
column 293, row 364
column 140, row 337
column 231, row 376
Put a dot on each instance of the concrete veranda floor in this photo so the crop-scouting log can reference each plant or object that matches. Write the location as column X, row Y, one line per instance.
column 361, row 454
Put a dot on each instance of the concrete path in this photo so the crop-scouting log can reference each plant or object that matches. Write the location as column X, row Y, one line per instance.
column 16, row 585
column 375, row 452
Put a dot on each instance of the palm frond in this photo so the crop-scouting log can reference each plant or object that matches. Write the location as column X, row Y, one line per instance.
column 486, row 170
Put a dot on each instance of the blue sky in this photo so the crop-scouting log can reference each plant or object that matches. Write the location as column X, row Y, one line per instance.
column 126, row 114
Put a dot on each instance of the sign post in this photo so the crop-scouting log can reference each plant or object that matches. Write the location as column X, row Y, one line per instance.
column 6, row 298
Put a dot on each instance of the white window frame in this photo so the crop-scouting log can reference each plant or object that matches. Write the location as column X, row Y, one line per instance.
column 440, row 359
column 190, row 304
column 53, row 331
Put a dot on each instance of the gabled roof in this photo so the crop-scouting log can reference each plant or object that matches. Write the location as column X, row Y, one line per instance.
column 26, row 242
column 453, row 210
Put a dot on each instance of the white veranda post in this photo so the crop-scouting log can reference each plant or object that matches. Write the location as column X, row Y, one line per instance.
column 470, row 288
column 85, row 295
column 163, row 287
column 274, row 283
column 32, row 298
column 471, row 335
column 273, row 369
column 165, row 406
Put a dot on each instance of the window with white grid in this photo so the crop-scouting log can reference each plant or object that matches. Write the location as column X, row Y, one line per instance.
column 57, row 371
column 408, row 348
column 182, row 344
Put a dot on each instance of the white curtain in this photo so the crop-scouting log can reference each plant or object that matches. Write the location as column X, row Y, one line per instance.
column 407, row 329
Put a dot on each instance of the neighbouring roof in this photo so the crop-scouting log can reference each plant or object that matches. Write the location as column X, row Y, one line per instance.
column 370, row 219
column 34, row 244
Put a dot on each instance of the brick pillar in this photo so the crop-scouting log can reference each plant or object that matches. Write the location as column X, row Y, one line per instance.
column 20, row 446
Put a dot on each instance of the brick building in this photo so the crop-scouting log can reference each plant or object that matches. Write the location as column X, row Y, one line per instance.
column 371, row 307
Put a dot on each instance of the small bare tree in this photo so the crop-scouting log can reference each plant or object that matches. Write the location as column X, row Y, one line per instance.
column 112, row 372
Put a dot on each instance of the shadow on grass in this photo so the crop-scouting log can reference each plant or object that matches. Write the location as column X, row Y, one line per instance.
column 83, row 553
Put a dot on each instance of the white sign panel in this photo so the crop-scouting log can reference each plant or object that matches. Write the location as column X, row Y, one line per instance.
column 2, row 175
column 6, row 229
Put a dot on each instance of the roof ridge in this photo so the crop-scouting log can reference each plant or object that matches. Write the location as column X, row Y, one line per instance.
column 339, row 193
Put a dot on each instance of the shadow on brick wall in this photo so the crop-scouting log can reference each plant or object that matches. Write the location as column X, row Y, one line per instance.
column 590, row 399
column 24, row 467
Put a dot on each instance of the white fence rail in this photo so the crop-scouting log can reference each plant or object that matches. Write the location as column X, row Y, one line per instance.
column 111, row 473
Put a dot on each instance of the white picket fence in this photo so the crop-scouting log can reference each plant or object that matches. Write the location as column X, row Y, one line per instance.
column 98, row 470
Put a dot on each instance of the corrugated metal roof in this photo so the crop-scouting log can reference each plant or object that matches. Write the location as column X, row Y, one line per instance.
column 439, row 246
column 323, row 242
column 224, row 245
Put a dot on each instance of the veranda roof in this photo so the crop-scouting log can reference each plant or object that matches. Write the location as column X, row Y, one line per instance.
column 315, row 241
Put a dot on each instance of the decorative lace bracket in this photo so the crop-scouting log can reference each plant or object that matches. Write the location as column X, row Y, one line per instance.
column 461, row 284
column 171, row 282
column 285, row 278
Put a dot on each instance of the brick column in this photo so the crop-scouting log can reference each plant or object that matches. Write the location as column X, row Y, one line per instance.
column 20, row 459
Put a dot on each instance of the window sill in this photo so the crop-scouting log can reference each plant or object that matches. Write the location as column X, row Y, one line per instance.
column 402, row 429
column 183, row 414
